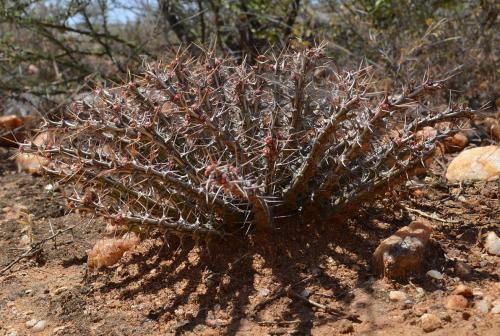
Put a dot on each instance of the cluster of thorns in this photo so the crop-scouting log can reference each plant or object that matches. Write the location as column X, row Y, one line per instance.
column 209, row 146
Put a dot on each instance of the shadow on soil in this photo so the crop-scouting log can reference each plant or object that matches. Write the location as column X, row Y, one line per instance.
column 226, row 275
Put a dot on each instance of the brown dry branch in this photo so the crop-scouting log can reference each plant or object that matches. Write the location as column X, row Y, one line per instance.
column 207, row 146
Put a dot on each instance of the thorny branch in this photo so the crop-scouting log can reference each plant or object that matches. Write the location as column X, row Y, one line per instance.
column 209, row 147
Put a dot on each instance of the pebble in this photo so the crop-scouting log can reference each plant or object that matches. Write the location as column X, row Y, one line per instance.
column 58, row 329
column 456, row 302
column 483, row 263
column 60, row 290
column 463, row 290
column 420, row 310
column 496, row 309
column 31, row 323
column 345, row 326
column 407, row 304
column 397, row 296
column 39, row 326
column 430, row 322
column 12, row 333
column 25, row 240
column 420, row 292
column 264, row 292
column 435, row 274
column 305, row 293
column 477, row 292
column 402, row 254
column 462, row 269
column 444, row 316
column 492, row 243
column 482, row 306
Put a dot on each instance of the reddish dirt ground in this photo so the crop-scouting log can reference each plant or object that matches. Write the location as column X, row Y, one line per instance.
column 253, row 286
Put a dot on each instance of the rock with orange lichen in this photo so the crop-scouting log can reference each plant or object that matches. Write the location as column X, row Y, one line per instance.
column 475, row 164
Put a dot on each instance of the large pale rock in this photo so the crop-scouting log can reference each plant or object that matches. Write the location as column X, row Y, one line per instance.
column 475, row 164
column 403, row 253
column 492, row 243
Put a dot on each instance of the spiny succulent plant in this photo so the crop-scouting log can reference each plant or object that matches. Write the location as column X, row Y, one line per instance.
column 209, row 146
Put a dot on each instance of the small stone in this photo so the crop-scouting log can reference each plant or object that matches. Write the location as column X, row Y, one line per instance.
column 60, row 290
column 39, row 326
column 31, row 323
column 435, row 274
column 430, row 322
column 444, row 316
column 11, row 333
column 456, row 302
column 463, row 290
column 419, row 311
column 305, row 293
column 483, row 263
column 345, row 326
column 25, row 240
column 407, row 304
column 279, row 331
column 397, row 296
column 420, row 292
column 403, row 253
column 462, row 269
column 492, row 244
column 496, row 309
column 477, row 292
column 58, row 329
column 482, row 306
column 264, row 292
column 456, row 142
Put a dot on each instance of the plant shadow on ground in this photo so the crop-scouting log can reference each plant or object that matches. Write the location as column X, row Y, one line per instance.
column 231, row 275
column 195, row 282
